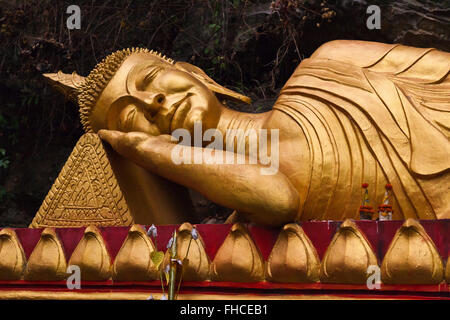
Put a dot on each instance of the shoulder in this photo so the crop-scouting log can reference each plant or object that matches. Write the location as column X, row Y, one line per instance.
column 383, row 57
column 358, row 53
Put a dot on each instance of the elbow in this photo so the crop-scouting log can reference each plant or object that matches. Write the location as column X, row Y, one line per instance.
column 289, row 205
column 284, row 204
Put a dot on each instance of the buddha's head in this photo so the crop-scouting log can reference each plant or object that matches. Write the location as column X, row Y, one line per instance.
column 140, row 90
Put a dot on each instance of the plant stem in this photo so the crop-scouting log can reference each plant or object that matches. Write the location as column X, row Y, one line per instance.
column 184, row 266
column 172, row 276
column 162, row 283
column 179, row 283
column 189, row 246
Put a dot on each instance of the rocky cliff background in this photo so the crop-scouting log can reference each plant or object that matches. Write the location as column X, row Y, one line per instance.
column 249, row 46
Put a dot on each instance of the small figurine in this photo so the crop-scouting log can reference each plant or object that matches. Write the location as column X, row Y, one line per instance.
column 365, row 210
column 385, row 209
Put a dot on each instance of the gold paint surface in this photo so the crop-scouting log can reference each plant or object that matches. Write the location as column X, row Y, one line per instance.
column 85, row 192
column 133, row 262
column 354, row 111
column 238, row 259
column 49, row 295
column 12, row 256
column 67, row 84
column 47, row 261
column 293, row 257
column 412, row 257
column 196, row 264
column 150, row 198
column 92, row 256
column 348, row 256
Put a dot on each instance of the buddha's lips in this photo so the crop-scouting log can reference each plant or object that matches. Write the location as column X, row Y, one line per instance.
column 173, row 110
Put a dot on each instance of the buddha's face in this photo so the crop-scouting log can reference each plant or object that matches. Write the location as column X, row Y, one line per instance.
column 152, row 96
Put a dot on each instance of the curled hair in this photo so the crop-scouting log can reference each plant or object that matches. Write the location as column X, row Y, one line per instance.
column 94, row 84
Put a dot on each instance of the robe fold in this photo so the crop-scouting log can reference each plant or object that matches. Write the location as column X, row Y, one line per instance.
column 375, row 113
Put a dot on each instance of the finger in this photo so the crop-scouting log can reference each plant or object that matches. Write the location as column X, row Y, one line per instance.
column 137, row 137
column 166, row 138
column 126, row 144
column 111, row 136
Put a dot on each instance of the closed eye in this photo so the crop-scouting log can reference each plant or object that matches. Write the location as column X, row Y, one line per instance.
column 150, row 74
column 141, row 75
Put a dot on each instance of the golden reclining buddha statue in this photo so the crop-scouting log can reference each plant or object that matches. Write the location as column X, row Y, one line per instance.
column 354, row 112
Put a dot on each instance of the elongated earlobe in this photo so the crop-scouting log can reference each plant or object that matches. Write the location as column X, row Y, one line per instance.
column 210, row 83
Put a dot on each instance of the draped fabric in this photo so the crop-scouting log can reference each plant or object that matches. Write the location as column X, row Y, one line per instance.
column 373, row 113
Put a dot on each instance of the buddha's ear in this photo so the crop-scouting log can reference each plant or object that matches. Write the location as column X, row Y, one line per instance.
column 210, row 83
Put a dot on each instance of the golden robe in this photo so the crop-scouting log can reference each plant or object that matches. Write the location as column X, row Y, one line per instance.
column 373, row 113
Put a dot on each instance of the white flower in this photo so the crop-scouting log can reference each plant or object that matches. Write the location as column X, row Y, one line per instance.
column 177, row 261
column 151, row 297
column 194, row 233
column 152, row 231
column 169, row 244
column 164, row 297
column 167, row 269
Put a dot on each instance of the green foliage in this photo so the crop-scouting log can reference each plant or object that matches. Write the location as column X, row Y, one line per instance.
column 217, row 57
column 157, row 258
column 4, row 162
column 35, row 40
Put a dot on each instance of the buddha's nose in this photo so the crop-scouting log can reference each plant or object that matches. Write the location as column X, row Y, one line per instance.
column 153, row 103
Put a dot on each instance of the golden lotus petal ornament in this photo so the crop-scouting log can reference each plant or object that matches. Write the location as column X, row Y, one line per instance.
column 12, row 257
column 47, row 261
column 412, row 257
column 92, row 256
column 348, row 256
column 197, row 263
column 238, row 259
column 133, row 262
column 293, row 257
column 192, row 253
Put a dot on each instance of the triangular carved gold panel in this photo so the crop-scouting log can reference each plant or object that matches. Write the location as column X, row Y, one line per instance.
column 412, row 257
column 86, row 191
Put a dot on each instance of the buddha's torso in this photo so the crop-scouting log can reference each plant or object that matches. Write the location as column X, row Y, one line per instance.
column 328, row 161
column 363, row 124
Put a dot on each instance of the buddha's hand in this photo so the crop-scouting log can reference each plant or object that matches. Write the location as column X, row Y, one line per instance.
column 133, row 144
column 266, row 199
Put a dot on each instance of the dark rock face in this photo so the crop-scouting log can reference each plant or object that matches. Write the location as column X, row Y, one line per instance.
column 262, row 42
column 420, row 23
column 249, row 46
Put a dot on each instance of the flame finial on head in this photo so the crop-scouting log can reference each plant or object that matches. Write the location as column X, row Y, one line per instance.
column 67, row 84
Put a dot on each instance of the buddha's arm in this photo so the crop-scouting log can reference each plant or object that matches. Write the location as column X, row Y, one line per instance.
column 268, row 199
